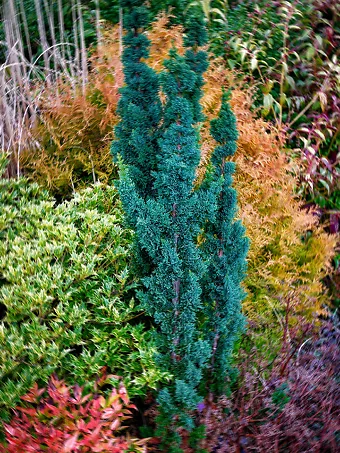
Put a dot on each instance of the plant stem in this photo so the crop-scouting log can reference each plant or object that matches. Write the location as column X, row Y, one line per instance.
column 303, row 111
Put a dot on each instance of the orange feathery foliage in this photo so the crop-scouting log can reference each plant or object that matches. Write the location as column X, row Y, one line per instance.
column 75, row 132
column 163, row 38
column 74, row 136
column 107, row 69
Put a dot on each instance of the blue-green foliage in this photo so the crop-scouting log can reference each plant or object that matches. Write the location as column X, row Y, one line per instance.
column 139, row 105
column 166, row 228
column 225, row 248
column 195, row 37
column 191, row 286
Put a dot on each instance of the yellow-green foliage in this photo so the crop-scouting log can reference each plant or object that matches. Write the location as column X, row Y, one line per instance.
column 66, row 292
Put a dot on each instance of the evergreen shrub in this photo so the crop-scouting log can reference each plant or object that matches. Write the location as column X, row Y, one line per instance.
column 193, row 293
column 225, row 248
column 66, row 296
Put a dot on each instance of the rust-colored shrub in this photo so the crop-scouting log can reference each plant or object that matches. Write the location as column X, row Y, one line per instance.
column 75, row 130
column 74, row 145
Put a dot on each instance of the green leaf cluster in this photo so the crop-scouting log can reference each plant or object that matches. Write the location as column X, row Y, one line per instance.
column 66, row 292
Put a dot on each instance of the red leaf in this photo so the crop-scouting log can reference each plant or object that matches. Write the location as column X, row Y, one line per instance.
column 70, row 443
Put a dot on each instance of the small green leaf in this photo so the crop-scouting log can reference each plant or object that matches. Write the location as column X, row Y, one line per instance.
column 310, row 53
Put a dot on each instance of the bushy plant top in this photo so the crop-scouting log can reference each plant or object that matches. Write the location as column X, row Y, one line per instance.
column 139, row 105
column 66, row 292
column 74, row 133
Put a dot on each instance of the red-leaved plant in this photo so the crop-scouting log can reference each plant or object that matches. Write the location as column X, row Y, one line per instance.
column 62, row 419
column 290, row 405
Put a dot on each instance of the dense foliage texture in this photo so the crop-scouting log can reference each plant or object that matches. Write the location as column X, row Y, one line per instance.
column 225, row 248
column 168, row 217
column 66, row 419
column 139, row 105
column 74, row 134
column 65, row 292
column 197, row 59
column 166, row 226
column 288, row 249
column 73, row 291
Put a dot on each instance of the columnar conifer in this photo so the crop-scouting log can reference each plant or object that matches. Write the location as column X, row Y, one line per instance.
column 225, row 248
column 195, row 37
column 139, row 106
column 192, row 292
column 166, row 228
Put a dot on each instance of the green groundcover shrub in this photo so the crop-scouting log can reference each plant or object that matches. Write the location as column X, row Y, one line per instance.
column 66, row 293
